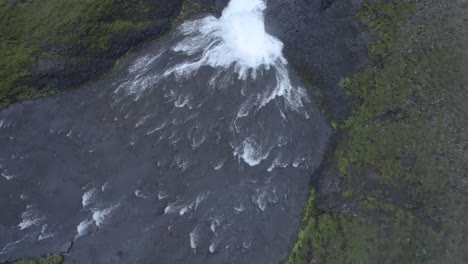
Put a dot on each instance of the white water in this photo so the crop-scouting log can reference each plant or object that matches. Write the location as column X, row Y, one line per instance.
column 83, row 228
column 238, row 36
column 44, row 235
column 243, row 71
column 194, row 238
column 7, row 176
column 88, row 197
column 238, row 39
column 30, row 217
column 234, row 46
column 100, row 216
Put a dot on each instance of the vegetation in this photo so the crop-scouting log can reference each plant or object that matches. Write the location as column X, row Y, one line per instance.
column 29, row 30
column 191, row 8
column 50, row 259
column 403, row 159
column 403, row 156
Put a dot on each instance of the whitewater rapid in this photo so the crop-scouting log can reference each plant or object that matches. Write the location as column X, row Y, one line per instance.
column 196, row 149
column 237, row 43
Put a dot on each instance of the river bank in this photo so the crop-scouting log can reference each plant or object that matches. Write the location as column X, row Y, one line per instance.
column 53, row 46
column 393, row 188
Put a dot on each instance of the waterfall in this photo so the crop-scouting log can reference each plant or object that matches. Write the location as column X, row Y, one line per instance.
column 200, row 145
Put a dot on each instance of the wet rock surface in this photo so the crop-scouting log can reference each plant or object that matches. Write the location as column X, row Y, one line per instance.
column 66, row 247
column 324, row 42
column 152, row 176
column 71, row 64
column 99, row 167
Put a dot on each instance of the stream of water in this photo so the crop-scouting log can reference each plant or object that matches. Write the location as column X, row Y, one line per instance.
column 195, row 149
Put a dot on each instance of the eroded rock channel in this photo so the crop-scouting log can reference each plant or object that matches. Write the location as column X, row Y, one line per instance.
column 196, row 149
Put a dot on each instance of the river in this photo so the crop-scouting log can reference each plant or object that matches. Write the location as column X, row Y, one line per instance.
column 195, row 149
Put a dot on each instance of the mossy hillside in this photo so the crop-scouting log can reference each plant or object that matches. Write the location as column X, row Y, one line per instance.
column 79, row 29
column 403, row 161
column 50, row 259
column 191, row 8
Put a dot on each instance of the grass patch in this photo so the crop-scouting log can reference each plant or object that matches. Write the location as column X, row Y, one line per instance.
column 403, row 160
column 26, row 27
column 191, row 8
column 50, row 259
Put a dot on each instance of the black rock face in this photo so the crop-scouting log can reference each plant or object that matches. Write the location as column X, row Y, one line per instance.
column 323, row 41
column 70, row 65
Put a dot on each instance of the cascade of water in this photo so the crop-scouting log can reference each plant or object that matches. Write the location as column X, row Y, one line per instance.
column 242, row 56
column 199, row 145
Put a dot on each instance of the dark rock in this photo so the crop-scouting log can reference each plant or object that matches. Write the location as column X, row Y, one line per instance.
column 66, row 247
column 76, row 65
column 325, row 4
column 324, row 42
column 329, row 194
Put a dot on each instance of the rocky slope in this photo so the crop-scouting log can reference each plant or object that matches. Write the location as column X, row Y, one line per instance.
column 51, row 46
column 394, row 187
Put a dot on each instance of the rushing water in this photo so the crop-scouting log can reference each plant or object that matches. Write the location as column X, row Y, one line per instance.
column 197, row 149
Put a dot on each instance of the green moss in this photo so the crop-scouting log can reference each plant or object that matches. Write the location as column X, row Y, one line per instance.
column 50, row 259
column 302, row 250
column 334, row 125
column 191, row 8
column 27, row 26
column 403, row 157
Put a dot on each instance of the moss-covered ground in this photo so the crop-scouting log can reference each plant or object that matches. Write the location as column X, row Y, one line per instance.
column 402, row 156
column 27, row 27
column 192, row 8
column 50, row 259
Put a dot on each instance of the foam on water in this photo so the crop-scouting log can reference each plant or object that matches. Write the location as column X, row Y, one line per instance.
column 83, row 228
column 44, row 235
column 242, row 29
column 30, row 218
column 171, row 208
column 200, row 198
column 208, row 195
column 183, row 208
column 194, row 237
column 219, row 165
column 139, row 194
column 240, row 208
column 88, row 197
column 251, row 152
column 7, row 176
column 10, row 246
column 100, row 216
column 162, row 195
column 104, row 186
column 213, row 245
column 237, row 37
column 239, row 52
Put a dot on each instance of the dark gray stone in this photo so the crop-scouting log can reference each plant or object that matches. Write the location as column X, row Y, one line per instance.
column 66, row 247
column 76, row 65
column 324, row 42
